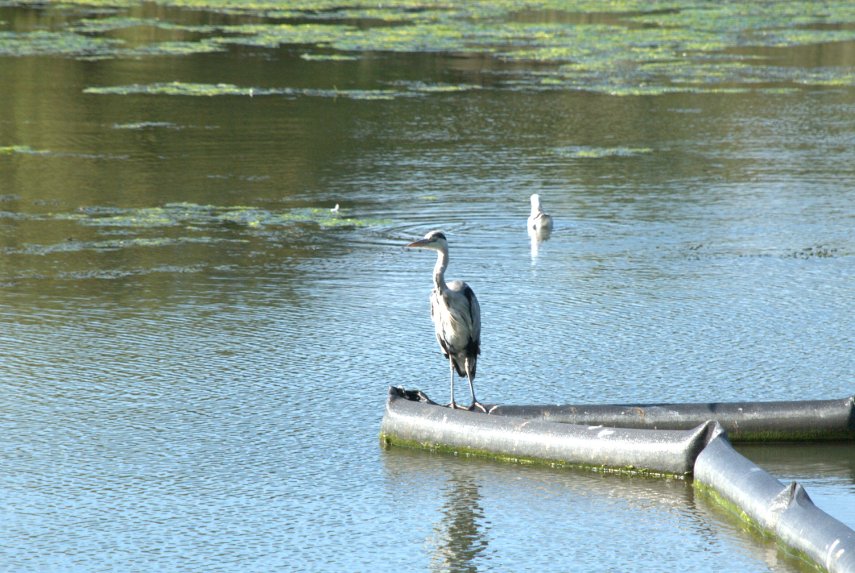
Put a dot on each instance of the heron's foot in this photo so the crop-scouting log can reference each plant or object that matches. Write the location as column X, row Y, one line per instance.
column 453, row 405
column 476, row 405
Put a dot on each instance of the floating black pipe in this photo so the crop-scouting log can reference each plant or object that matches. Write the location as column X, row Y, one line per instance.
column 743, row 421
column 411, row 419
column 531, row 433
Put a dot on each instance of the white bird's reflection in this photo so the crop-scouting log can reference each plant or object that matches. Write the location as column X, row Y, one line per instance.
column 536, row 240
column 539, row 226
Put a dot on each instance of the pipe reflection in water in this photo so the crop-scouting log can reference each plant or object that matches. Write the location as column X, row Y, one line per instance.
column 818, row 460
column 458, row 537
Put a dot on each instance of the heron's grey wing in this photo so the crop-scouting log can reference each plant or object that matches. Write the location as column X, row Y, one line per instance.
column 475, row 316
column 466, row 316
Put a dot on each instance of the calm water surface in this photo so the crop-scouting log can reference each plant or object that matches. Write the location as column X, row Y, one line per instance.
column 195, row 351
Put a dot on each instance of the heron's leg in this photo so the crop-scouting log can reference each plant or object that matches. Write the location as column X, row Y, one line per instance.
column 475, row 403
column 452, row 405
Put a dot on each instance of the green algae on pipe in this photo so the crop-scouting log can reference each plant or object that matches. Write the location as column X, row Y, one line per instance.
column 743, row 421
column 412, row 421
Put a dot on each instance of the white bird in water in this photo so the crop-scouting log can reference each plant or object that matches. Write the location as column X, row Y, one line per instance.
column 335, row 209
column 539, row 222
column 456, row 316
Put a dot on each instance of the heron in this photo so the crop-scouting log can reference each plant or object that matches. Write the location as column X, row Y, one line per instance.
column 538, row 221
column 456, row 317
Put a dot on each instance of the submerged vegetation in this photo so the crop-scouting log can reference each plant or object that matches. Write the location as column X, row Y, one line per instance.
column 625, row 47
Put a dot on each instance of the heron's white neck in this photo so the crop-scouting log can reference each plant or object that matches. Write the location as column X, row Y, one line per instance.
column 439, row 269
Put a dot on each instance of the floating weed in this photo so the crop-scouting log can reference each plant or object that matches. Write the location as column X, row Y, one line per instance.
column 326, row 218
column 653, row 72
column 42, row 42
column 140, row 125
column 378, row 15
column 433, row 88
column 825, row 77
column 118, row 274
column 114, row 23
column 27, row 150
column 176, row 48
column 210, row 90
column 242, row 216
column 12, row 216
column 422, row 37
column 136, row 218
column 623, row 47
column 21, row 150
column 73, row 246
column 172, row 88
column 584, row 152
column 273, row 36
column 195, row 216
column 444, row 88
column 328, row 58
column 358, row 94
column 815, row 252
column 100, row 25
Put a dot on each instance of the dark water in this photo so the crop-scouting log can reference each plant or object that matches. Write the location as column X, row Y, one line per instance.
column 195, row 351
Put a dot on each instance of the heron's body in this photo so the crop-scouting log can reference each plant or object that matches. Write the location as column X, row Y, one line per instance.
column 538, row 221
column 456, row 316
column 457, row 323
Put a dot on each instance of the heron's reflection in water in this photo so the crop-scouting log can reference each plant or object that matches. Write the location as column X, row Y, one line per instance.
column 460, row 536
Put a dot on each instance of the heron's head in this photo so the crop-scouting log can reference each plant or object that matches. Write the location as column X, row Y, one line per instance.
column 435, row 241
column 535, row 202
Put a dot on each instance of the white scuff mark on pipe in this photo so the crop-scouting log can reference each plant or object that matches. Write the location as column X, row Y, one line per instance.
column 828, row 555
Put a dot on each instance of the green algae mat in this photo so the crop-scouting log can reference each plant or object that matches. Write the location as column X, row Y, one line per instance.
column 620, row 48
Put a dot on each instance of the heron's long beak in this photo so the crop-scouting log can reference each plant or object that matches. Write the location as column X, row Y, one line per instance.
column 420, row 244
